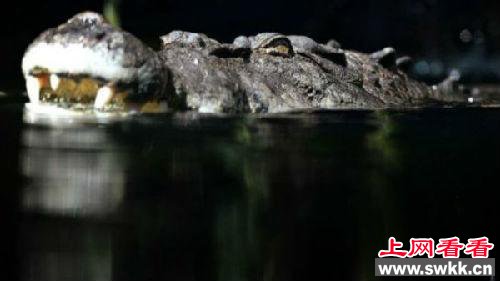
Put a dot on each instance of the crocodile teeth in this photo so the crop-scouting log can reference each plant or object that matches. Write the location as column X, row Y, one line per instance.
column 104, row 96
column 33, row 86
column 54, row 81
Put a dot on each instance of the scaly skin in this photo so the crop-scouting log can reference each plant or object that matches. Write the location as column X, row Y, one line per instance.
column 266, row 73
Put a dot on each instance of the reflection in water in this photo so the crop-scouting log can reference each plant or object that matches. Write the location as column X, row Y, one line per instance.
column 383, row 153
column 299, row 197
column 382, row 141
column 239, row 244
column 57, row 251
column 71, row 171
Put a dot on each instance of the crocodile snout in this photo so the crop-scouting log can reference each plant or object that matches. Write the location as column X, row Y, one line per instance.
column 87, row 64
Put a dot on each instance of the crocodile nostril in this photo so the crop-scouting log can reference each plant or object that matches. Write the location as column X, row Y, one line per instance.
column 100, row 35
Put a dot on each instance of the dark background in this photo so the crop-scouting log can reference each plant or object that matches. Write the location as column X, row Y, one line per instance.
column 441, row 35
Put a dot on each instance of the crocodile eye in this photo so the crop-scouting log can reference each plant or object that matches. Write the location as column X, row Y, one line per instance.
column 280, row 46
column 282, row 49
column 273, row 44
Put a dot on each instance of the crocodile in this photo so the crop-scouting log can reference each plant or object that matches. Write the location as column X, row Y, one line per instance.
column 87, row 65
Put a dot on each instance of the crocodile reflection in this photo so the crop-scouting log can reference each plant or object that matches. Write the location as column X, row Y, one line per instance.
column 72, row 171
column 77, row 174
column 205, row 196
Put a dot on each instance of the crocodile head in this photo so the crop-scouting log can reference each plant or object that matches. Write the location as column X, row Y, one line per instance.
column 86, row 64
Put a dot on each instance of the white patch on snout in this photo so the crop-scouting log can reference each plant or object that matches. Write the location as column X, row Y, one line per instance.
column 75, row 58
column 33, row 88
column 104, row 96
column 210, row 108
column 54, row 81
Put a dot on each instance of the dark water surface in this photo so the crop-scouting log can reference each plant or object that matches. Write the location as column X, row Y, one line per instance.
column 189, row 197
